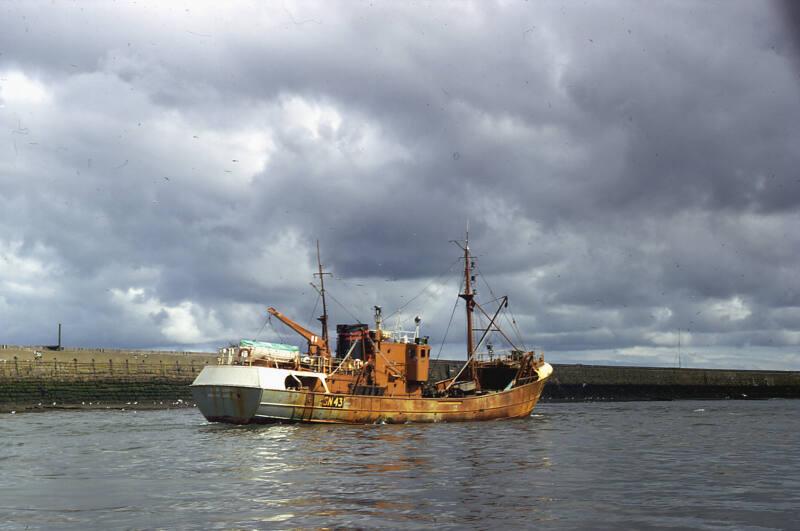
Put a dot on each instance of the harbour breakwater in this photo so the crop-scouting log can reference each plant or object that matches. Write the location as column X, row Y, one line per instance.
column 37, row 378
column 598, row 383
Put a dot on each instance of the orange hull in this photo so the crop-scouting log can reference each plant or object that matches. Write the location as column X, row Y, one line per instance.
column 241, row 405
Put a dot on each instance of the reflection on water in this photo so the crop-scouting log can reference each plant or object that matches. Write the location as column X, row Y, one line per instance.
column 635, row 465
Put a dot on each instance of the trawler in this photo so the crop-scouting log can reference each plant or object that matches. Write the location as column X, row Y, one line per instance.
column 374, row 375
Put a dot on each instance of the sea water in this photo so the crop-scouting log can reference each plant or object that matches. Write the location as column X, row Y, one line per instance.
column 633, row 465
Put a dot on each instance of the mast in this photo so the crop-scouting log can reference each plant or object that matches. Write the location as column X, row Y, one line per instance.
column 324, row 317
column 469, row 298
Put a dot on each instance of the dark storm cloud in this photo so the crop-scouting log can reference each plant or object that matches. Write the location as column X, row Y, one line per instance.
column 627, row 171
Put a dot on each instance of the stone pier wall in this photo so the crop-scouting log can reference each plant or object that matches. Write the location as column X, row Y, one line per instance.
column 596, row 382
column 38, row 378
column 107, row 391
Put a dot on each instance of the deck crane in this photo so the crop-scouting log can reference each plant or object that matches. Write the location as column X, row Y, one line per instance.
column 317, row 346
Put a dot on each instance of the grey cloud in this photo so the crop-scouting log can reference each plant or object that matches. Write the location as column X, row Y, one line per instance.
column 626, row 171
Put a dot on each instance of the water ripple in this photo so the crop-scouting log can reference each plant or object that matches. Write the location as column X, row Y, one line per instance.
column 712, row 465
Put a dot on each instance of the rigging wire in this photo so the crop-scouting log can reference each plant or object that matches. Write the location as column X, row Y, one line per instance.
column 316, row 303
column 342, row 306
column 415, row 297
column 263, row 326
column 354, row 288
column 480, row 321
column 274, row 329
column 513, row 320
column 444, row 339
column 483, row 277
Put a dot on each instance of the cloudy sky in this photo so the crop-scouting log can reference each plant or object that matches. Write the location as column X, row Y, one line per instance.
column 630, row 172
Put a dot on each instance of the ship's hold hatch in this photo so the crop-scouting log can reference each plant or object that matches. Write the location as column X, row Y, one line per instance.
column 496, row 378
